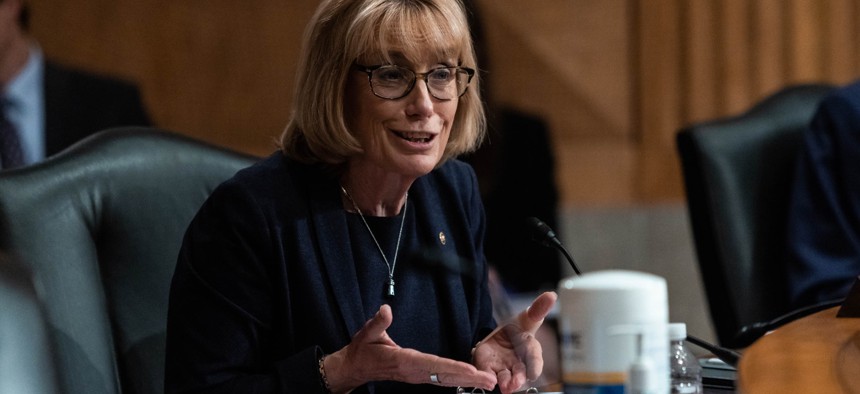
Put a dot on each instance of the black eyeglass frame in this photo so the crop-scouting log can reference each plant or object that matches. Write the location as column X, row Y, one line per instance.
column 370, row 69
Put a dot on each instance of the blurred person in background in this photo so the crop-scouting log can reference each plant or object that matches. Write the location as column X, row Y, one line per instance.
column 824, row 212
column 45, row 106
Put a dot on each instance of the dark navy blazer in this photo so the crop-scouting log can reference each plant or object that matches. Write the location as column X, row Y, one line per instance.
column 824, row 221
column 266, row 280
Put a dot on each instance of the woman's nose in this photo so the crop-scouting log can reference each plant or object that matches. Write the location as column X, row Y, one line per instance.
column 420, row 100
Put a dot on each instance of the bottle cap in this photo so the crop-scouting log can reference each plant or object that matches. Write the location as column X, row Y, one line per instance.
column 677, row 331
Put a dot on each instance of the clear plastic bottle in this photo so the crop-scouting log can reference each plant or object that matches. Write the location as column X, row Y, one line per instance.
column 685, row 369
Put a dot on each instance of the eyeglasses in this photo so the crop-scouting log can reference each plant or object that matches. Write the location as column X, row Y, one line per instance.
column 393, row 82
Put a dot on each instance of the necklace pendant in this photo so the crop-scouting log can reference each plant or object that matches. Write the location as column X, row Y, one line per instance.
column 390, row 292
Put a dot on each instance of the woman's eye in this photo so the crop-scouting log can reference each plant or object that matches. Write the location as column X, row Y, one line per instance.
column 391, row 75
column 441, row 75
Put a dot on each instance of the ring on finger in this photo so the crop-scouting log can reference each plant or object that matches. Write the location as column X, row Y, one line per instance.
column 434, row 378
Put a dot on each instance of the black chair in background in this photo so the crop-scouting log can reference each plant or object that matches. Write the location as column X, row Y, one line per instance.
column 737, row 173
column 99, row 226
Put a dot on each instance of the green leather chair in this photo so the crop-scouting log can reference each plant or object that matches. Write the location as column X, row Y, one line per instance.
column 99, row 227
column 26, row 366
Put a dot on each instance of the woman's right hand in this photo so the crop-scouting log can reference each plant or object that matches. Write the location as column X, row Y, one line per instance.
column 373, row 356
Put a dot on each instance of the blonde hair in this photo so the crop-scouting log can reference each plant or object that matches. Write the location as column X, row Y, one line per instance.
column 340, row 32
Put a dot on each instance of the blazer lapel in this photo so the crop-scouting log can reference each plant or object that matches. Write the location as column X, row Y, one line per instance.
column 433, row 225
column 329, row 226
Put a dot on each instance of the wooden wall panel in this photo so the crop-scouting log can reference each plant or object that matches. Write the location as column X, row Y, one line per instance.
column 768, row 46
column 217, row 70
column 660, row 95
column 805, row 34
column 734, row 48
column 699, row 51
column 615, row 79
column 840, row 37
column 760, row 46
column 539, row 64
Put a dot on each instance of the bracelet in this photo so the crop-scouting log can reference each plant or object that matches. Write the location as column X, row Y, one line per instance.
column 323, row 378
column 475, row 348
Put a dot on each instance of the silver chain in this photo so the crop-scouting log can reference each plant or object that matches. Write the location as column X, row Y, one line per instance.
column 396, row 248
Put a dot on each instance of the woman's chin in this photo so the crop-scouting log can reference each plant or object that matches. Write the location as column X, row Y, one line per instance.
column 424, row 167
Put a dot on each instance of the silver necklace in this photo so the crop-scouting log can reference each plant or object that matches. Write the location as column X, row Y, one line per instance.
column 393, row 264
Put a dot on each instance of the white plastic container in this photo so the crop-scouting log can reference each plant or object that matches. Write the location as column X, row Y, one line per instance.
column 592, row 309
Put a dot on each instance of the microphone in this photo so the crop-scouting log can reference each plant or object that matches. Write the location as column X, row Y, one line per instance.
column 750, row 333
column 544, row 235
column 728, row 356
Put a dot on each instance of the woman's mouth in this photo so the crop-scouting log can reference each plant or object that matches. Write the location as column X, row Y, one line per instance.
column 418, row 137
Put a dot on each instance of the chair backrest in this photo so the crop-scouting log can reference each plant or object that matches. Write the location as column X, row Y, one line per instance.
column 737, row 173
column 100, row 226
column 26, row 364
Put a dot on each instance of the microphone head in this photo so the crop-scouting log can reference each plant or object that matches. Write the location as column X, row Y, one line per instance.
column 541, row 232
column 544, row 235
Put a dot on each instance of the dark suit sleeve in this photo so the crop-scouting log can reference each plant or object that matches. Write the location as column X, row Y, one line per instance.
column 824, row 216
column 221, row 335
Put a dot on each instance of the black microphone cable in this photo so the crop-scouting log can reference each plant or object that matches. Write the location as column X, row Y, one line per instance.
column 727, row 356
column 751, row 332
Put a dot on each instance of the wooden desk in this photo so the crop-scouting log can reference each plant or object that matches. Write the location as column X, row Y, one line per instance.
column 817, row 354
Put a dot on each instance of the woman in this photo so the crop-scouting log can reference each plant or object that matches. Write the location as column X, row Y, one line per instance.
column 296, row 276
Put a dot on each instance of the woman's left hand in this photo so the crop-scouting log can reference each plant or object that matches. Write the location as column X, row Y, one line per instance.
column 511, row 350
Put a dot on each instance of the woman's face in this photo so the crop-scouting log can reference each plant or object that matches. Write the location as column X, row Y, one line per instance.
column 405, row 136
